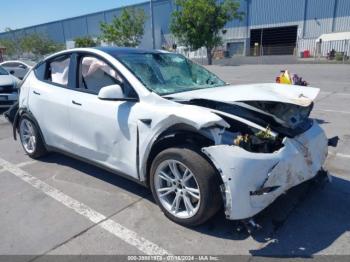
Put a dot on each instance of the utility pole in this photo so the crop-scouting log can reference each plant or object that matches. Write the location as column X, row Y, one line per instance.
column 152, row 24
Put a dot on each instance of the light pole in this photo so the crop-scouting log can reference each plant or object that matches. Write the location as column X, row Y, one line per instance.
column 152, row 24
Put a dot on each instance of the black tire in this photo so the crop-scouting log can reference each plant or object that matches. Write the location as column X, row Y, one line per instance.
column 40, row 149
column 206, row 178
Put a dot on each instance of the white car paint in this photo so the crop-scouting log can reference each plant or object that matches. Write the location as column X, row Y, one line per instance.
column 18, row 68
column 120, row 135
column 298, row 95
column 55, row 101
column 243, row 172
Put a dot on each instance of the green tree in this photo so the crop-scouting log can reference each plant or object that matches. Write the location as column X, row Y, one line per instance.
column 198, row 23
column 125, row 30
column 10, row 45
column 39, row 45
column 86, row 41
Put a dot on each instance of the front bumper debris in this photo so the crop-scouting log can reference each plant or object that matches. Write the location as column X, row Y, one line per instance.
column 252, row 181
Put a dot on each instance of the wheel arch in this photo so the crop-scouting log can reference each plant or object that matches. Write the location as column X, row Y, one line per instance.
column 180, row 135
column 26, row 113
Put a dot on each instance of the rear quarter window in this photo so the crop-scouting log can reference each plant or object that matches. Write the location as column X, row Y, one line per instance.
column 40, row 71
column 55, row 70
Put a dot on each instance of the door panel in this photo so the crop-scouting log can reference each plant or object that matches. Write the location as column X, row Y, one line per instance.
column 104, row 132
column 49, row 105
column 49, row 101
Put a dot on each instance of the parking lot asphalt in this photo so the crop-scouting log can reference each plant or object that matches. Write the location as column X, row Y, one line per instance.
column 58, row 205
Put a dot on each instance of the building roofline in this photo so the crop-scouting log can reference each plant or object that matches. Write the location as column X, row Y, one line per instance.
column 80, row 16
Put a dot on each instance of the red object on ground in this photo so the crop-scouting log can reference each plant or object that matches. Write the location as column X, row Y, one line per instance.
column 306, row 53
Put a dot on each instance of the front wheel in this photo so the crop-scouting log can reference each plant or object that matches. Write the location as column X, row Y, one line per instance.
column 185, row 186
column 31, row 140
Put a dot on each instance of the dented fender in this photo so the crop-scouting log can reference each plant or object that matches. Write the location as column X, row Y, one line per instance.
column 246, row 174
column 150, row 128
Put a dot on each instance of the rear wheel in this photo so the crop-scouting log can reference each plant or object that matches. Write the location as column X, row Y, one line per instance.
column 31, row 140
column 185, row 186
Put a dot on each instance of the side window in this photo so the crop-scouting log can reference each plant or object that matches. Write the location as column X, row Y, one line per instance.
column 58, row 70
column 9, row 64
column 40, row 71
column 95, row 74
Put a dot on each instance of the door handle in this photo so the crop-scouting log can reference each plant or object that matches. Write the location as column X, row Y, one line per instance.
column 36, row 93
column 76, row 103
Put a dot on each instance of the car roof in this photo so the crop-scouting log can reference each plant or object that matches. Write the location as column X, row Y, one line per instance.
column 23, row 62
column 112, row 51
column 115, row 51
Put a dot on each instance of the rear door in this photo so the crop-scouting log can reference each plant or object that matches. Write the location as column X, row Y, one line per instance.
column 103, row 131
column 49, row 101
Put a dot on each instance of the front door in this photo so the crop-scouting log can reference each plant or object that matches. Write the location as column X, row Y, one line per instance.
column 49, row 102
column 103, row 131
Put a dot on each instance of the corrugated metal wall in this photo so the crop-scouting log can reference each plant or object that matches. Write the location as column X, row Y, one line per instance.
column 319, row 17
column 275, row 11
column 342, row 21
column 93, row 24
column 313, row 18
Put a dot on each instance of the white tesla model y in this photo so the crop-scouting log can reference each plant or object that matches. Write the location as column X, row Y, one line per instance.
column 157, row 118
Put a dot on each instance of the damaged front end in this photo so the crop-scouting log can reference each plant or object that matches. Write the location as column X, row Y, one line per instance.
column 268, row 148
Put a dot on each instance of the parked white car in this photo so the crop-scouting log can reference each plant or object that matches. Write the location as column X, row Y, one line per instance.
column 8, row 88
column 17, row 68
column 168, row 123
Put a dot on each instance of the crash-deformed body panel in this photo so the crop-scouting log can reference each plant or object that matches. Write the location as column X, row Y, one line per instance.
column 246, row 174
column 262, row 141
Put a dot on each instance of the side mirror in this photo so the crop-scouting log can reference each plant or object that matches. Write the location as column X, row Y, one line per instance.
column 12, row 72
column 112, row 92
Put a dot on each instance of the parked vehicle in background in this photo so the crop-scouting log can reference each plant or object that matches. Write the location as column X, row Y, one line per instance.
column 8, row 88
column 170, row 124
column 18, row 68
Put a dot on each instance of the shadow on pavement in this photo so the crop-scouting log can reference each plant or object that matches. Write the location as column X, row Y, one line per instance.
column 320, row 217
column 301, row 223
column 321, row 121
column 305, row 221
column 96, row 172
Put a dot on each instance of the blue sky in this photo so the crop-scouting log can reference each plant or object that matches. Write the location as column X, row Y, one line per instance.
column 22, row 13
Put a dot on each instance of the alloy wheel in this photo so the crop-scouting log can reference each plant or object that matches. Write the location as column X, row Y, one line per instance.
column 177, row 189
column 28, row 137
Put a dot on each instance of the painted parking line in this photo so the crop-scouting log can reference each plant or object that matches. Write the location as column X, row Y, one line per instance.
column 339, row 155
column 123, row 233
column 333, row 111
column 334, row 93
column 23, row 164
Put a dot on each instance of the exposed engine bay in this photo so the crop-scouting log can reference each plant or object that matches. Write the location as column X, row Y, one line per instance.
column 279, row 119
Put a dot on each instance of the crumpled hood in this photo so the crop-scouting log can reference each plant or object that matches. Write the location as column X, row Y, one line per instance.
column 297, row 95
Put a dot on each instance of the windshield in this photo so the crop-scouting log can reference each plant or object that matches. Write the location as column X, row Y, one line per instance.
column 3, row 71
column 166, row 73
